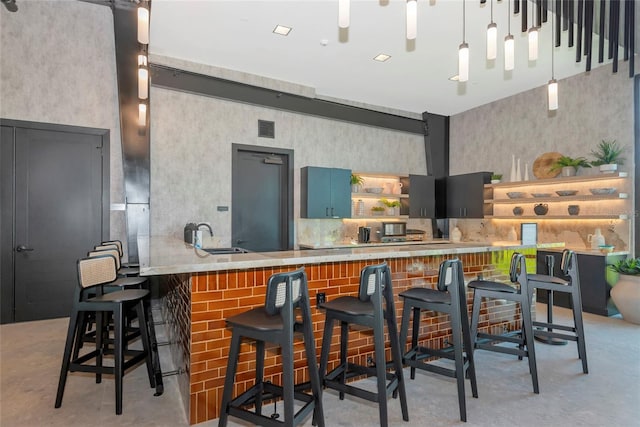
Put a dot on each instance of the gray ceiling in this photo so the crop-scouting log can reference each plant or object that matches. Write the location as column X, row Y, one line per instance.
column 337, row 63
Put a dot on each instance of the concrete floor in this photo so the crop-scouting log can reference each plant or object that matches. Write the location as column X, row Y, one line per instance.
column 30, row 356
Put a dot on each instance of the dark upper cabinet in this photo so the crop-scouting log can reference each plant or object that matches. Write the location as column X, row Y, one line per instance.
column 462, row 196
column 422, row 197
column 325, row 192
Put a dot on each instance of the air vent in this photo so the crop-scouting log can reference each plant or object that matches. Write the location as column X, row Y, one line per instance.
column 266, row 129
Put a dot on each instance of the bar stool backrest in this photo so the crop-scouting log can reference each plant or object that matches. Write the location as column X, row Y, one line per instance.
column 518, row 270
column 110, row 251
column 568, row 262
column 117, row 243
column 450, row 272
column 374, row 279
column 283, row 288
column 96, row 270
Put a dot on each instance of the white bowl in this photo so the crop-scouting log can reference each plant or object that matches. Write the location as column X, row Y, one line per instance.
column 374, row 190
column 516, row 194
column 602, row 191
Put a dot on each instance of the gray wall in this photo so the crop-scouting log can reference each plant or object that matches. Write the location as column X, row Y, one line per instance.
column 57, row 65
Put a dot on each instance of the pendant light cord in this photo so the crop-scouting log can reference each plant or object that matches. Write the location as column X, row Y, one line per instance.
column 552, row 47
column 492, row 11
column 463, row 21
column 509, row 17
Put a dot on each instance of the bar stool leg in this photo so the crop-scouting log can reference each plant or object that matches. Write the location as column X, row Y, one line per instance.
column 326, row 346
column 66, row 358
column 232, row 363
column 287, row 379
column 456, row 329
column 101, row 325
column 396, row 355
column 527, row 330
column 259, row 375
column 118, row 321
column 414, row 336
column 577, row 321
column 381, row 379
column 344, row 341
column 468, row 346
column 475, row 316
column 146, row 341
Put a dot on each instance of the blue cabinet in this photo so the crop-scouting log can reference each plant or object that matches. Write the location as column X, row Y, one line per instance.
column 325, row 192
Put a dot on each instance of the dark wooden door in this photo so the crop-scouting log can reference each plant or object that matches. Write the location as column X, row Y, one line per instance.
column 465, row 194
column 59, row 206
column 262, row 209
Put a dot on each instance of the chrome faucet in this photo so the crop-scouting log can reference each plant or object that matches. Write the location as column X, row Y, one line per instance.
column 206, row 225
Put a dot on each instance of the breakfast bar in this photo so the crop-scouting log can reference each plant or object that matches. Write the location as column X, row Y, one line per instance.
column 200, row 290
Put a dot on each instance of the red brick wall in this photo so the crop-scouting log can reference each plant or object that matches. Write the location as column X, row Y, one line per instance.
column 218, row 295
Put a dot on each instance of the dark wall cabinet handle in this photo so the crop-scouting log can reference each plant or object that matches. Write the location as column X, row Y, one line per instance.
column 23, row 248
column 326, row 211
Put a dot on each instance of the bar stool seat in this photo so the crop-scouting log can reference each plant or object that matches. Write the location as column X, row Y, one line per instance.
column 571, row 286
column 286, row 311
column 366, row 310
column 449, row 298
column 524, row 337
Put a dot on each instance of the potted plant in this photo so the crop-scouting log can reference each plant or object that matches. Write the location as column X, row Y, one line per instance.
column 569, row 165
column 391, row 206
column 626, row 291
column 608, row 156
column 495, row 178
column 356, row 183
column 377, row 210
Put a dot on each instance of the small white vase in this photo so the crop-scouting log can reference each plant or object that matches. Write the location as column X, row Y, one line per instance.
column 518, row 172
column 512, row 177
column 626, row 296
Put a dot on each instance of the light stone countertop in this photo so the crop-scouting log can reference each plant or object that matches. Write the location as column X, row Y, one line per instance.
column 161, row 255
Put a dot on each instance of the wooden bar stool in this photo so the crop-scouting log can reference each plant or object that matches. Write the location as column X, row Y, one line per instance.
column 571, row 286
column 93, row 273
column 366, row 310
column 450, row 298
column 286, row 311
column 524, row 337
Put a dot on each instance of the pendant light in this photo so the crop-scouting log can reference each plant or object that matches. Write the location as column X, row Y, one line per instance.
column 412, row 19
column 552, row 87
column 142, row 114
column 143, row 77
column 143, row 25
column 344, row 7
column 492, row 38
column 533, row 39
column 509, row 43
column 463, row 52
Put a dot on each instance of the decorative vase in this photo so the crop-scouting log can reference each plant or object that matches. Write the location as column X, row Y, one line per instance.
column 541, row 209
column 355, row 188
column 573, row 209
column 512, row 178
column 518, row 171
column 569, row 171
column 495, row 181
column 456, row 235
column 518, row 211
column 526, row 172
column 626, row 296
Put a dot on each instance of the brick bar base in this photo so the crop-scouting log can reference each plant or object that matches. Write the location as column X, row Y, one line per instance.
column 197, row 305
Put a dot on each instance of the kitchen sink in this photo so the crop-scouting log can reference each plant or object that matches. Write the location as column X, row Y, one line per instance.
column 225, row 251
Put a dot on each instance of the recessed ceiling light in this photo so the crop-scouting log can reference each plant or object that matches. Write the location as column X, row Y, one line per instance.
column 282, row 30
column 454, row 78
column 382, row 57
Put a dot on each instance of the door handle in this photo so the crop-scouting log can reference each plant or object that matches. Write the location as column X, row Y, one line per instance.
column 23, row 248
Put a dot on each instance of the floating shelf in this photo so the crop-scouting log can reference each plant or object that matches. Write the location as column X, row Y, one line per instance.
column 378, row 196
column 584, row 198
column 561, row 180
column 563, row 217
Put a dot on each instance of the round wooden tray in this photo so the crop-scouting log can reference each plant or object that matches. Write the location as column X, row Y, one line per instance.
column 542, row 165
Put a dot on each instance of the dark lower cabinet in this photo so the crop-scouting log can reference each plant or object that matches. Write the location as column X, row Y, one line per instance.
column 462, row 196
column 422, row 197
column 325, row 192
column 594, row 288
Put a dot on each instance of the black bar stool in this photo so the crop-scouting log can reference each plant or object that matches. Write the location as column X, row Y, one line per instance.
column 450, row 298
column 366, row 310
column 571, row 286
column 524, row 337
column 93, row 273
column 275, row 322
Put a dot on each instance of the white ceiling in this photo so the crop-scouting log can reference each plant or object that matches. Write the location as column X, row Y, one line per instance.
column 238, row 35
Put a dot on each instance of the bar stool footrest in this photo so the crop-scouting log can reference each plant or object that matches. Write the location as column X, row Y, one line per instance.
column 554, row 326
column 268, row 392
column 353, row 370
